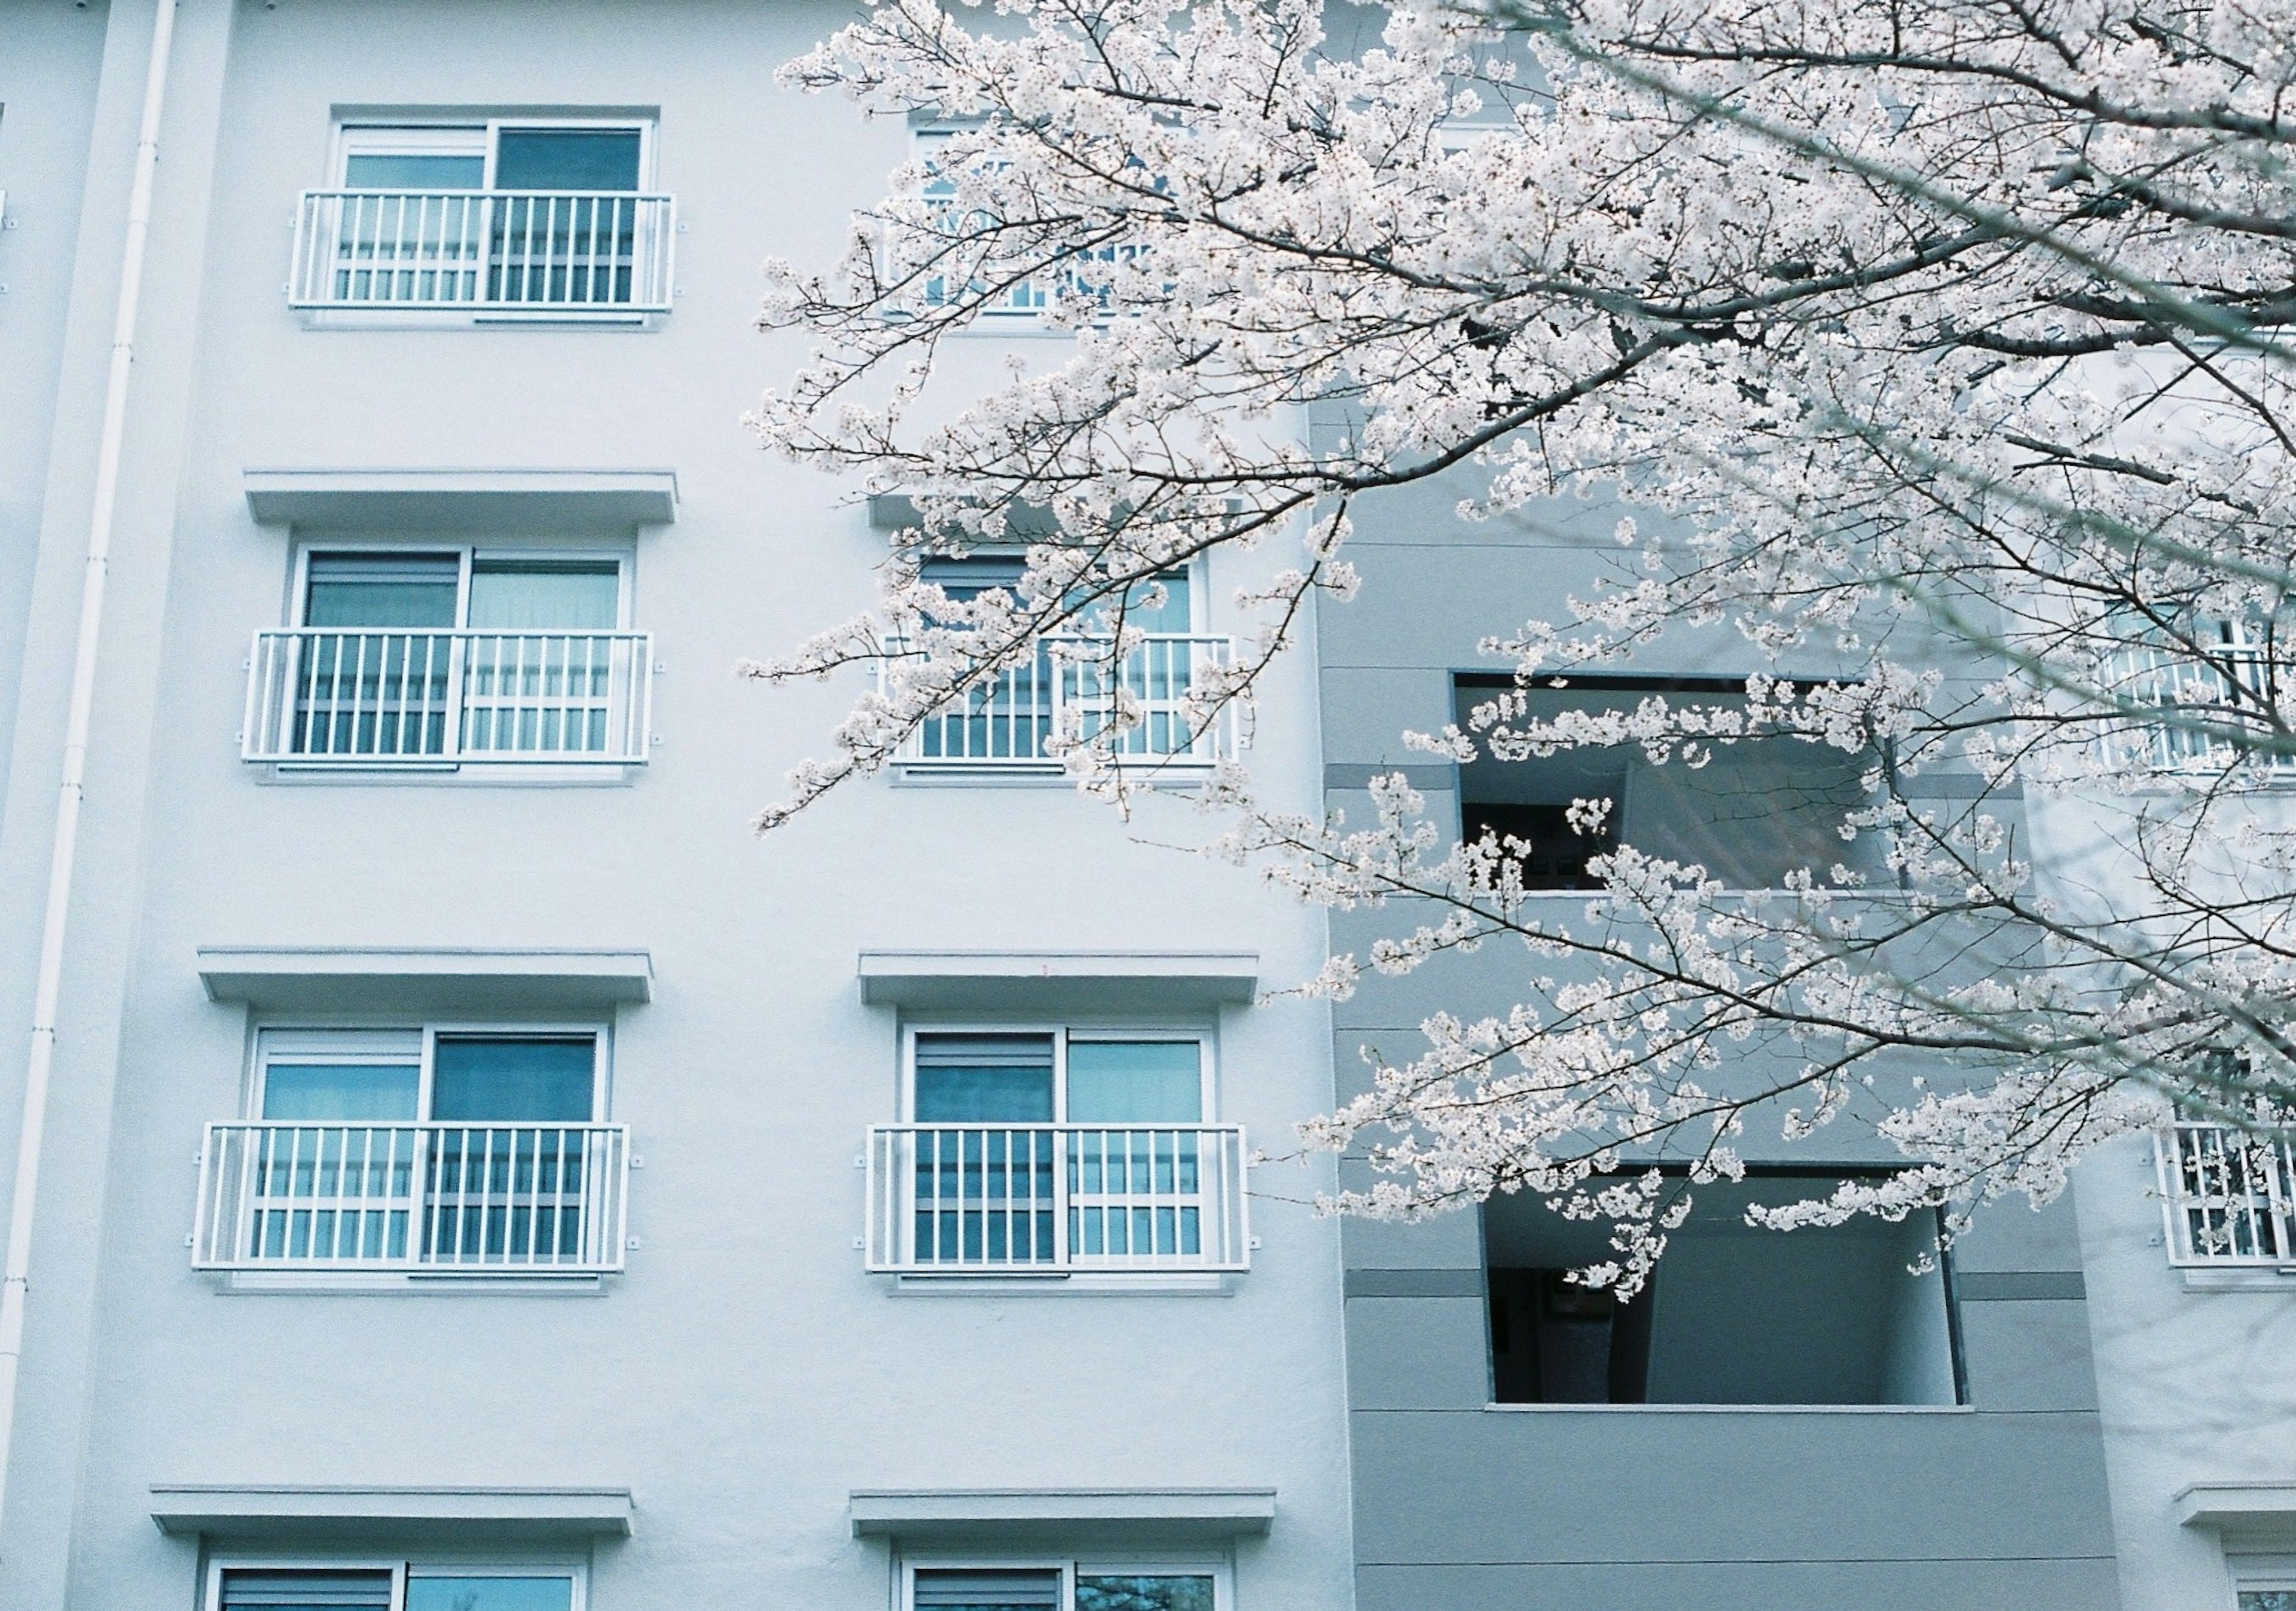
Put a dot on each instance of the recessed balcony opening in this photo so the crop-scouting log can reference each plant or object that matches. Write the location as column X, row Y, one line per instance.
column 1750, row 813
column 1736, row 1314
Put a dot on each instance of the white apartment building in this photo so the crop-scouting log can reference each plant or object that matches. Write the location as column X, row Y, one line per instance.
column 478, row 1173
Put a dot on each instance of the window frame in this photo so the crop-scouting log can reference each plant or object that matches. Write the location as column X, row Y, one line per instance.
column 1072, row 1566
column 467, row 555
column 355, row 137
column 263, row 1052
column 403, row 1566
column 1062, row 1031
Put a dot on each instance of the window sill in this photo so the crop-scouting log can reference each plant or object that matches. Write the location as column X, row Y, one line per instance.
column 1082, row 1283
column 477, row 774
column 1178, row 776
column 2250, row 1278
column 394, row 1283
column 391, row 318
column 1733, row 1408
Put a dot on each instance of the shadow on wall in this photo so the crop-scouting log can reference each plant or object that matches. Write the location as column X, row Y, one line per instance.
column 1735, row 1315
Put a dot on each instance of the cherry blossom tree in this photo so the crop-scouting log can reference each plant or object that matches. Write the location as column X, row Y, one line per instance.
column 1946, row 338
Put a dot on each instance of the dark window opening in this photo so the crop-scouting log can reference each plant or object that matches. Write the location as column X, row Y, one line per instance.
column 1734, row 1315
column 1749, row 812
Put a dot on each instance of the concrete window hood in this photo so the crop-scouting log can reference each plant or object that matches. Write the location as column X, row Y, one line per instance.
column 461, row 500
column 415, row 980
column 1059, row 981
column 274, row 1514
column 1065, row 1517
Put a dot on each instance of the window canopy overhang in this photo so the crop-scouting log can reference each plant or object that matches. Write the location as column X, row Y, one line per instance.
column 405, row 979
column 1064, row 1516
column 1063, row 981
column 2261, row 1510
column 277, row 1514
column 463, row 500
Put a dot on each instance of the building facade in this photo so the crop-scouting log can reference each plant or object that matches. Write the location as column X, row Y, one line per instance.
column 476, row 1171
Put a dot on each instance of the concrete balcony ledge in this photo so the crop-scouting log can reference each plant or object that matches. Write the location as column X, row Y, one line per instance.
column 463, row 500
column 1058, row 980
column 1062, row 1516
column 411, row 979
column 2244, row 1509
column 277, row 1513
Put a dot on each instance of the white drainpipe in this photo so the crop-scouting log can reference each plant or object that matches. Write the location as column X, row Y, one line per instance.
column 71, row 786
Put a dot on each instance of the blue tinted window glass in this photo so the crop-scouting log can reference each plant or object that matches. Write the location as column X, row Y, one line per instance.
column 1159, row 1593
column 382, row 590
column 567, row 158
column 376, row 1092
column 1135, row 1082
column 960, row 1078
column 503, row 1079
column 489, row 1593
column 388, row 170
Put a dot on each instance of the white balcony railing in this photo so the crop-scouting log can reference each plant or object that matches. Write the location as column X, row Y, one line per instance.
column 483, row 1199
column 324, row 696
column 1024, row 1199
column 2230, row 1196
column 1064, row 692
column 2217, row 701
column 513, row 253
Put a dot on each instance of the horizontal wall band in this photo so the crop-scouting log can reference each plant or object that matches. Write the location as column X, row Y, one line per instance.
column 2009, row 1286
column 1415, row 1283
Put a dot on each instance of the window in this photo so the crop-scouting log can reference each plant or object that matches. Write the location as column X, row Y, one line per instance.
column 1083, row 276
column 434, row 1150
column 442, row 656
column 1734, row 1315
column 397, row 1586
column 1047, row 1150
column 2268, row 1599
column 401, row 1077
column 1750, row 813
column 1066, row 692
column 508, row 217
column 1068, row 1586
column 2226, row 686
column 2229, row 1195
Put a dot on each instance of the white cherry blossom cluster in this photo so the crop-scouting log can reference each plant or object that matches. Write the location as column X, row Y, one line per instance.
column 1941, row 345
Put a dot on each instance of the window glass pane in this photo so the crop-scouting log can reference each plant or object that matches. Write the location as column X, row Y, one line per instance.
column 1159, row 1593
column 971, row 576
column 542, row 595
column 1135, row 1082
column 392, row 170
column 305, row 1591
column 2268, row 1599
column 505, row 1079
column 1171, row 616
column 385, row 1093
column 996, row 1077
column 489, row 1593
column 567, row 158
column 382, row 589
column 970, row 1590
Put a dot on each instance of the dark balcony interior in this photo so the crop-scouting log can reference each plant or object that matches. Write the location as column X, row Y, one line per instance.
column 1749, row 812
column 1735, row 1315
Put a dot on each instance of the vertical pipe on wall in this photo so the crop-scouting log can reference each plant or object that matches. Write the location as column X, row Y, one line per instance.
column 72, row 783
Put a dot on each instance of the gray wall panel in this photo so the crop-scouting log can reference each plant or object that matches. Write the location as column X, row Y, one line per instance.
column 1569, row 1485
